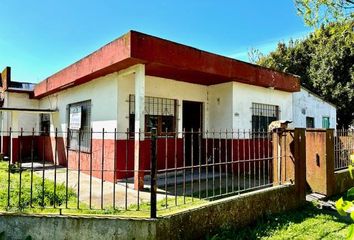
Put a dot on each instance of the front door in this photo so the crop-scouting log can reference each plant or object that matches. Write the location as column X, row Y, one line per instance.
column 192, row 122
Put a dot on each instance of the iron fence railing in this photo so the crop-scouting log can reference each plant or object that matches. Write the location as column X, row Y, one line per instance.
column 117, row 173
column 343, row 148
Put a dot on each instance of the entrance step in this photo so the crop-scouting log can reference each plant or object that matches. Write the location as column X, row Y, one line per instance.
column 321, row 201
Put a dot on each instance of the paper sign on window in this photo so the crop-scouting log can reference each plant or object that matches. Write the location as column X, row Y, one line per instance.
column 75, row 117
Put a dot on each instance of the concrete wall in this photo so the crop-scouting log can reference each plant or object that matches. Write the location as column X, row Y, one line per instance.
column 103, row 95
column 26, row 120
column 243, row 97
column 307, row 104
column 236, row 211
column 342, row 181
column 66, row 227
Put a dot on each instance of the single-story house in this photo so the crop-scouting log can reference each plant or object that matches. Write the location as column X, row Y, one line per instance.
column 137, row 82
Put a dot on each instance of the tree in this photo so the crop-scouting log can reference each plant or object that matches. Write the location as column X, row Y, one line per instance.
column 254, row 55
column 317, row 12
column 324, row 61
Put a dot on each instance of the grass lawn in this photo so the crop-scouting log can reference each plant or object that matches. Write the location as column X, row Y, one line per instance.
column 43, row 199
column 306, row 223
column 42, row 191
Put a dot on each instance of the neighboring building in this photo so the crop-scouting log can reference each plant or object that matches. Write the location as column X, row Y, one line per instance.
column 310, row 111
column 138, row 81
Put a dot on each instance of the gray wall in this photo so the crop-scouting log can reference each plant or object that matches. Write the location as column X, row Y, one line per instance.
column 235, row 211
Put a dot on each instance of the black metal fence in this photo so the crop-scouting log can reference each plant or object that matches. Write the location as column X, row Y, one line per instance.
column 41, row 171
column 343, row 148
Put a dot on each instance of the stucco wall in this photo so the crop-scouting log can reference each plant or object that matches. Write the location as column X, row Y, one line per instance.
column 103, row 95
column 306, row 104
column 243, row 97
column 226, row 105
column 220, row 106
column 109, row 97
column 26, row 120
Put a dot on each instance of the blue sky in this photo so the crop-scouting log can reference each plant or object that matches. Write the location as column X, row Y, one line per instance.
column 40, row 37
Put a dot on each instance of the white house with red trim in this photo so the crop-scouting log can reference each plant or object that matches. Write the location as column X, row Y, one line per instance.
column 137, row 82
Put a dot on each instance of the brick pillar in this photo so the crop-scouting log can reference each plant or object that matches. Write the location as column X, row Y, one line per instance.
column 320, row 160
column 289, row 159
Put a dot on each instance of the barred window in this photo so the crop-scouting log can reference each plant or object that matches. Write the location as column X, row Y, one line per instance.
column 263, row 115
column 44, row 124
column 310, row 122
column 159, row 113
column 79, row 122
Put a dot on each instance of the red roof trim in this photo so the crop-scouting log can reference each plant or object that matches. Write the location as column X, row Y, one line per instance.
column 167, row 59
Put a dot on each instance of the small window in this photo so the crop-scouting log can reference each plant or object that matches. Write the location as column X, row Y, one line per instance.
column 44, row 124
column 325, row 122
column 310, row 122
column 263, row 115
column 160, row 113
column 79, row 122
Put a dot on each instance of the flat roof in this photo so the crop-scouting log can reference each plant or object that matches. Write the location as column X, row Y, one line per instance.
column 167, row 59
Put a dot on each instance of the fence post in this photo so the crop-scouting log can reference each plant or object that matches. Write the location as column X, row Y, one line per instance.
column 300, row 163
column 330, row 162
column 153, row 174
column 277, row 146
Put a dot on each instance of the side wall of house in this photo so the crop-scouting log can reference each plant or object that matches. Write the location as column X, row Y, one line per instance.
column 306, row 104
column 26, row 120
column 18, row 121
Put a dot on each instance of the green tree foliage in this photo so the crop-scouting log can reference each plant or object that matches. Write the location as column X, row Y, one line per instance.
column 317, row 12
column 324, row 61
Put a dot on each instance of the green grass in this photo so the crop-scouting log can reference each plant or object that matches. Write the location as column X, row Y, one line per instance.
column 308, row 222
column 43, row 195
column 43, row 202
